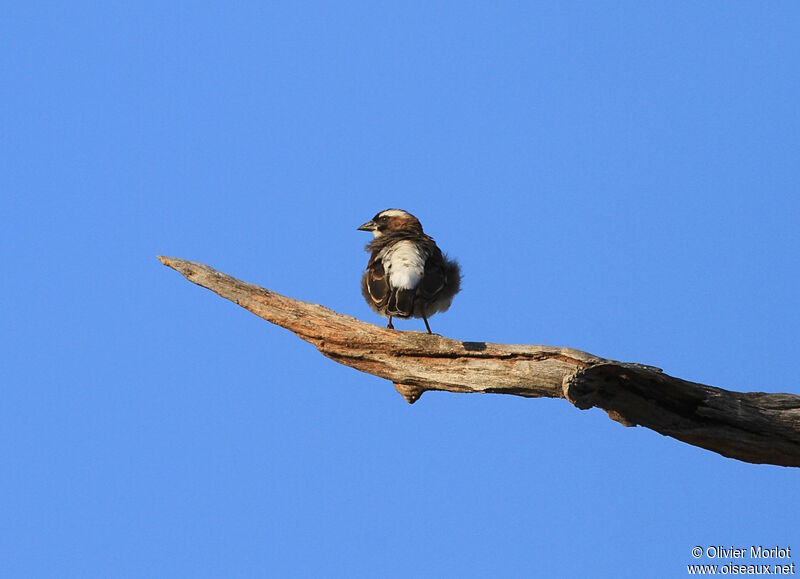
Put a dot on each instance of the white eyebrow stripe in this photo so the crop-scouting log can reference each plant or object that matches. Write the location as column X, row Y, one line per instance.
column 394, row 213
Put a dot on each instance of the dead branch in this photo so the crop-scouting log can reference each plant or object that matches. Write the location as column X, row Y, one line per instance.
column 750, row 426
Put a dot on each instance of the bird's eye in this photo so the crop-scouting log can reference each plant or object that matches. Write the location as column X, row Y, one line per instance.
column 383, row 219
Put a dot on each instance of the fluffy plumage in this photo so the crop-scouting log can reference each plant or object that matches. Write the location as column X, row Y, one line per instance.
column 407, row 274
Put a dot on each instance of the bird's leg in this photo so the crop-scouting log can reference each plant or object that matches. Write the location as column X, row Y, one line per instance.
column 426, row 323
column 390, row 326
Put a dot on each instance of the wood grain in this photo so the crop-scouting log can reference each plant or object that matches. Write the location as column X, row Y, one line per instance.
column 753, row 427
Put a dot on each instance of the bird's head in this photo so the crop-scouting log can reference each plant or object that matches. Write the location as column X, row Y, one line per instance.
column 391, row 220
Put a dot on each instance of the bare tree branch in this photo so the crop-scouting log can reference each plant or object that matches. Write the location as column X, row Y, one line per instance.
column 753, row 426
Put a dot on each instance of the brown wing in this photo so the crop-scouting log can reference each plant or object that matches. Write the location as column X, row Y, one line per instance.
column 375, row 285
column 435, row 276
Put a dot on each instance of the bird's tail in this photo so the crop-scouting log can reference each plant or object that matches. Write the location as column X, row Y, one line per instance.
column 401, row 303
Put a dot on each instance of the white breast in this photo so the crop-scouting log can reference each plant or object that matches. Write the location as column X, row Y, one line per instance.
column 404, row 263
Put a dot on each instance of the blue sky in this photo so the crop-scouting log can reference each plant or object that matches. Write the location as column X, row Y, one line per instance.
column 621, row 178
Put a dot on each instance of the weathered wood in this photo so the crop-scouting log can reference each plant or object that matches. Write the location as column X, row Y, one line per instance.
column 753, row 427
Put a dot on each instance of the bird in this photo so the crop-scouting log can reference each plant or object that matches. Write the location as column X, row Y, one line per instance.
column 407, row 274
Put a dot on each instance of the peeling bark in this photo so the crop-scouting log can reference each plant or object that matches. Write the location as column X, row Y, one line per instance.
column 753, row 427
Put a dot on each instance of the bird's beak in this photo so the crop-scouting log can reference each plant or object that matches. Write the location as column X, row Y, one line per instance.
column 368, row 226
